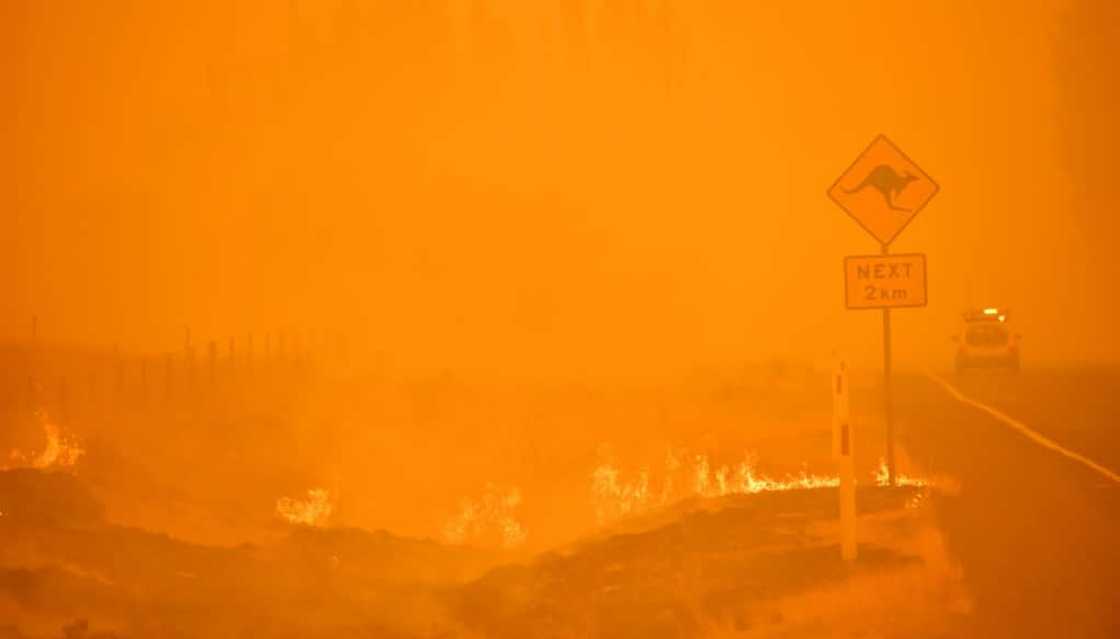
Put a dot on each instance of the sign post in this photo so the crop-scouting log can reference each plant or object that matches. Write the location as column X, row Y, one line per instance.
column 888, row 401
column 883, row 190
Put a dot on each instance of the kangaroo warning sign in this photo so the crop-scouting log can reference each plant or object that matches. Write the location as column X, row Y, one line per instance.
column 883, row 190
column 885, row 281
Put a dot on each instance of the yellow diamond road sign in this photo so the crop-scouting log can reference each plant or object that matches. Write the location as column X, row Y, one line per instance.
column 883, row 190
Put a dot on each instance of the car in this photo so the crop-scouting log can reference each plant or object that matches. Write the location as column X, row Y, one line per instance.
column 986, row 340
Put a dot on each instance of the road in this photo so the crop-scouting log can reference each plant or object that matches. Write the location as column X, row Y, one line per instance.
column 1037, row 533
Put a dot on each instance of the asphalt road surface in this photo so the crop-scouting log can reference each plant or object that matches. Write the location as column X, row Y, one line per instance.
column 1037, row 533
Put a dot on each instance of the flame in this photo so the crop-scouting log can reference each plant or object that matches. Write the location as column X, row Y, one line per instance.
column 743, row 479
column 614, row 498
column 61, row 450
column 483, row 519
column 882, row 477
column 314, row 510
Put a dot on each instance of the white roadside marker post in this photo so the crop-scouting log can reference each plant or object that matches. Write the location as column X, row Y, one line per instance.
column 842, row 453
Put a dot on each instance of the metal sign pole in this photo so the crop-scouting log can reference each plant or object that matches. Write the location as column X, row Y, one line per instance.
column 882, row 191
column 887, row 386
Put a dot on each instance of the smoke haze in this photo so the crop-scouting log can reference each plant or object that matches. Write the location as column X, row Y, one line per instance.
column 564, row 189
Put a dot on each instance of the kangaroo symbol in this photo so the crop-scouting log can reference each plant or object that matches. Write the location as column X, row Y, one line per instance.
column 888, row 183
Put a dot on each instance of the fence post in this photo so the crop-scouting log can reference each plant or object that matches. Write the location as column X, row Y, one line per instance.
column 842, row 453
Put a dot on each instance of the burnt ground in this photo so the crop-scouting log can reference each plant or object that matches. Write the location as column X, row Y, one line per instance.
column 1013, row 541
column 714, row 568
column 699, row 568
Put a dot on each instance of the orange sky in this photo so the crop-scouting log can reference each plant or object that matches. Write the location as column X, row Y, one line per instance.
column 529, row 190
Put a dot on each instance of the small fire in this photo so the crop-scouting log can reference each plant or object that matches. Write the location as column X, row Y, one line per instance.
column 883, row 478
column 61, row 450
column 313, row 510
column 615, row 498
column 492, row 517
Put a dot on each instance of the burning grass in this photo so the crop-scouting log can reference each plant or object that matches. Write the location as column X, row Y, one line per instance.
column 488, row 520
column 692, row 476
column 61, row 450
column 686, row 476
column 883, row 478
column 313, row 510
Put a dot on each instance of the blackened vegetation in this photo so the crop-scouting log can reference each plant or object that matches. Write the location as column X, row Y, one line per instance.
column 664, row 574
column 673, row 573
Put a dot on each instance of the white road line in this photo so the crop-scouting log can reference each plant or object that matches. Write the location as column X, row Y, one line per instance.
column 1024, row 429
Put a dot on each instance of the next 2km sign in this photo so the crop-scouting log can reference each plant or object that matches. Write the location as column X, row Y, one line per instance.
column 885, row 281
